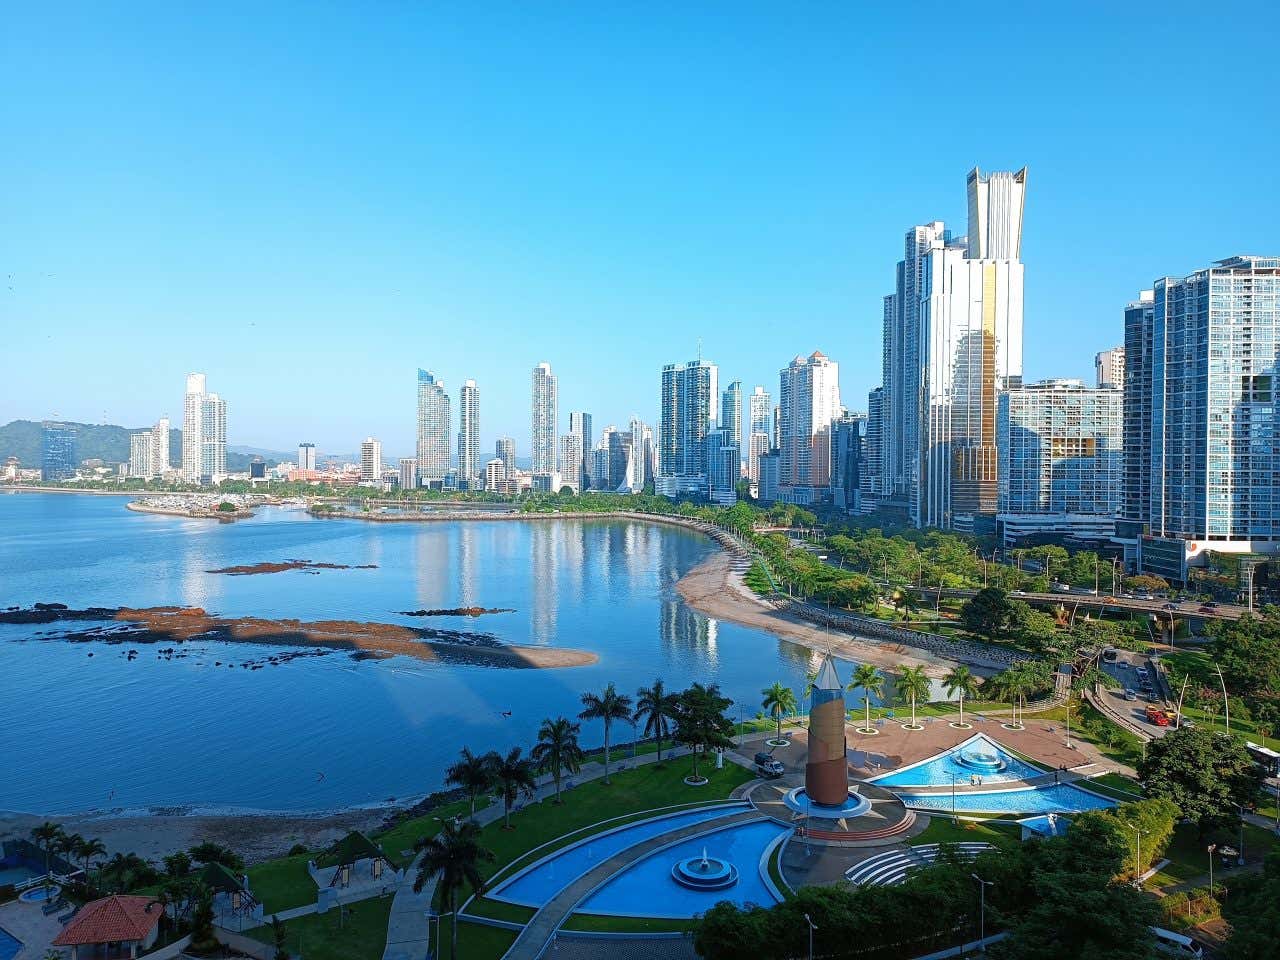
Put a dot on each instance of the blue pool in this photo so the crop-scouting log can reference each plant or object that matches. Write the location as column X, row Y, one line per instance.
column 978, row 756
column 647, row 889
column 544, row 879
column 1054, row 798
column 9, row 947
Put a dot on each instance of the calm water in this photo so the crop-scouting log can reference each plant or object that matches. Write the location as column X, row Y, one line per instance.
column 85, row 732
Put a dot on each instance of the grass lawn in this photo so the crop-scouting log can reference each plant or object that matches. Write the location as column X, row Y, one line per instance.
column 500, row 910
column 1189, row 858
column 942, row 830
column 401, row 838
column 282, row 884
column 318, row 936
column 1089, row 725
column 598, row 922
column 1118, row 781
column 476, row 941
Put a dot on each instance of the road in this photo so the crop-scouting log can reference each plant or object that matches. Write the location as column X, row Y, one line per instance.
column 1129, row 669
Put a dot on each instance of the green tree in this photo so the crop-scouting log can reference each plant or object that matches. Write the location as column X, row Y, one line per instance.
column 871, row 682
column 912, row 685
column 608, row 705
column 473, row 774
column 278, row 938
column 1254, row 912
column 86, row 850
column 962, row 681
column 454, row 856
column 779, row 700
column 988, row 613
column 177, row 864
column 46, row 837
column 514, row 776
column 1207, row 774
column 210, row 852
column 557, row 749
column 701, row 723
column 656, row 709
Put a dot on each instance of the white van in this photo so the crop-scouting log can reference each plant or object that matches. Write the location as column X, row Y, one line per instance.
column 1176, row 945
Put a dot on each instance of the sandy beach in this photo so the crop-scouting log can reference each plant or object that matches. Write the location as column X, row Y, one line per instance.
column 256, row 837
column 716, row 589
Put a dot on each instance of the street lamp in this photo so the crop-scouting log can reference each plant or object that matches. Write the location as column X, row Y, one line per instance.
column 953, row 798
column 812, row 927
column 1137, row 855
column 1212, row 847
column 1226, row 707
column 982, row 911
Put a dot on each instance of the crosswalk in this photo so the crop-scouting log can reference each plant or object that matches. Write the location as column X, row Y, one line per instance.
column 891, row 867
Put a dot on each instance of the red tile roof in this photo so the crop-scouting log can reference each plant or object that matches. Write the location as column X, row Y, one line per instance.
column 110, row 920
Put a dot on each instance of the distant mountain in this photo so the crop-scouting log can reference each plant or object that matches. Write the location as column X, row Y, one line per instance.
column 106, row 442
column 273, row 456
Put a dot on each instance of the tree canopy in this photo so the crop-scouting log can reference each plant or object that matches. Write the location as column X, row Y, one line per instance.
column 1206, row 773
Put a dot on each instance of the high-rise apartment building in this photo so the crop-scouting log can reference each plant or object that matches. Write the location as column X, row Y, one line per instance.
column 204, row 433
column 1061, row 460
column 580, row 423
column 1138, row 327
column 952, row 342
column 759, row 428
column 809, row 395
column 571, row 461
column 495, row 472
column 307, row 457
column 872, row 450
column 690, row 394
column 468, row 436
column 371, row 461
column 140, row 455
column 408, row 473
column 1213, row 460
column 160, row 447
column 847, row 442
column 730, row 419
column 545, row 417
column 505, row 450
column 435, row 418
column 57, row 451
column 1109, row 367
column 724, row 467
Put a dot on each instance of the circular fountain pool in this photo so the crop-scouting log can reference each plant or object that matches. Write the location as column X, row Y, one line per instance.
column 983, row 761
column 854, row 805
column 39, row 894
column 704, row 872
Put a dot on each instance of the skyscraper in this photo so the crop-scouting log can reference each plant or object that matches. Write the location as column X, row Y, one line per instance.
column 307, row 456
column 690, row 393
column 204, row 433
column 371, row 461
column 408, row 473
column 1138, row 328
column 545, row 417
column 1213, row 460
column 872, row 449
column 140, row 455
column 731, row 412
column 809, row 391
column 723, row 459
column 580, row 423
column 759, row 427
column 505, row 450
column 571, row 461
column 847, row 461
column 1109, row 366
column 434, row 420
column 469, row 436
column 160, row 447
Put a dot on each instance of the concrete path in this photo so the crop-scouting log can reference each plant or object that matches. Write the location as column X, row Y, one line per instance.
column 533, row 940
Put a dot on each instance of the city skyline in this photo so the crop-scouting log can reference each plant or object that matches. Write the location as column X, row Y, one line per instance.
column 649, row 206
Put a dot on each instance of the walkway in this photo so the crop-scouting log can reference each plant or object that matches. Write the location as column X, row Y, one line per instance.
column 533, row 939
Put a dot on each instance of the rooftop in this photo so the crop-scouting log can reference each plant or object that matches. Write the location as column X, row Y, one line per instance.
column 113, row 919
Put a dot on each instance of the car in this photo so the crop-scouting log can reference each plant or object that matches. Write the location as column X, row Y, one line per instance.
column 769, row 765
column 1131, row 694
column 1211, row 604
column 1206, row 609
column 1172, row 944
column 1169, row 606
column 1019, row 593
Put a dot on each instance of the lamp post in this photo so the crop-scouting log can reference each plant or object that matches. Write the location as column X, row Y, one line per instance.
column 1212, row 847
column 953, row 798
column 1137, row 855
column 1240, row 859
column 982, row 911
column 1226, row 707
column 812, row 927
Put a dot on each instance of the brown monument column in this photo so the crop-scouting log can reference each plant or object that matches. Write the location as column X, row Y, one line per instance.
column 826, row 772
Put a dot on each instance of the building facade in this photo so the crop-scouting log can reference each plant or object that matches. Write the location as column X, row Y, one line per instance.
column 759, row 429
column 580, row 423
column 204, row 433
column 1061, row 460
column 847, row 446
column 723, row 459
column 371, row 461
column 571, row 461
column 408, row 478
column 730, row 419
column 690, row 393
column 505, row 450
column 544, row 418
column 468, row 436
column 809, row 399
column 1108, row 368
column 306, row 456
column 767, row 486
column 435, row 417
column 873, row 449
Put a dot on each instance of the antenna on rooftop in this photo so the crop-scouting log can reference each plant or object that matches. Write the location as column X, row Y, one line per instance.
column 699, row 349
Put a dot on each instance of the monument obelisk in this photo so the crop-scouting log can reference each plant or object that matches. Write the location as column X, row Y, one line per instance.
column 826, row 771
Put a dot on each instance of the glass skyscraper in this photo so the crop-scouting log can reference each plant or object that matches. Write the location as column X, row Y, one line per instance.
column 57, row 451
column 434, row 420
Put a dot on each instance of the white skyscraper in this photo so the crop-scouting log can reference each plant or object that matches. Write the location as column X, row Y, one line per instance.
column 810, row 403
column 306, row 456
column 1109, row 366
column 204, row 433
column 759, row 428
column 995, row 214
column 545, row 415
column 371, row 461
column 571, row 461
column 140, row 455
column 469, row 436
column 730, row 419
column 160, row 447
column 434, row 420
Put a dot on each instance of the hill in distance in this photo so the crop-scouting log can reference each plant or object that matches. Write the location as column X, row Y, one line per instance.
column 109, row 443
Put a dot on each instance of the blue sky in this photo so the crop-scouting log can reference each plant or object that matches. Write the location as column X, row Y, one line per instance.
column 308, row 202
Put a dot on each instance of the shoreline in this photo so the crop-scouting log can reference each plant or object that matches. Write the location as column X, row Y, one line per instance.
column 714, row 588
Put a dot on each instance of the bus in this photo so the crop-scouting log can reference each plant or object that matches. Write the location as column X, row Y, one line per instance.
column 1266, row 758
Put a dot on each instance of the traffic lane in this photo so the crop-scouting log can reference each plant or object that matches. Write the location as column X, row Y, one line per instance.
column 1128, row 670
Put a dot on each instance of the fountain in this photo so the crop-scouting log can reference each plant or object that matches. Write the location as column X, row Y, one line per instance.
column 984, row 761
column 704, row 872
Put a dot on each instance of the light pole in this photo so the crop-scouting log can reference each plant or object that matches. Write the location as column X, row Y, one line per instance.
column 982, row 911
column 1226, row 707
column 953, row 798
column 1240, row 859
column 812, row 927
column 1212, row 847
column 1137, row 855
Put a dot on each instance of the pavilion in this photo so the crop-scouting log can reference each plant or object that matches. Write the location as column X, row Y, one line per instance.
column 115, row 926
column 232, row 898
column 351, row 857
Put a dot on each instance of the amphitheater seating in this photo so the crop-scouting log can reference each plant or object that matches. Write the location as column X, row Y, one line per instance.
column 891, row 867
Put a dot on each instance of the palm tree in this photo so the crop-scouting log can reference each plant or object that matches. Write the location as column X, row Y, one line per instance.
column 871, row 682
column 557, row 748
column 607, row 706
column 471, row 773
column 86, row 850
column 657, row 709
column 67, row 844
column 779, row 700
column 961, row 680
column 47, row 836
column 515, row 779
column 454, row 855
column 913, row 685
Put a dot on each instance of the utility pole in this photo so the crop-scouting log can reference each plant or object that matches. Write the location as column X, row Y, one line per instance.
column 982, row 912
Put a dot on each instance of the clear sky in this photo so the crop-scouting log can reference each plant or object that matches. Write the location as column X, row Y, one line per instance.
column 307, row 202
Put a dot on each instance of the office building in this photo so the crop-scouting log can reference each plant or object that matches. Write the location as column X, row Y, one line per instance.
column 767, row 486
column 1136, row 495
column 872, row 450
column 846, row 461
column 1109, row 368
column 204, row 433
column 580, row 423
column 257, row 469
column 408, row 478
column 809, row 395
column 724, row 467
column 952, row 342
column 371, row 461
column 643, row 465
column 1213, row 460
column 545, row 417
column 435, row 418
column 307, row 457
column 730, row 419
column 468, row 436
column 690, row 393
column 505, row 450
column 571, row 461
column 1061, row 461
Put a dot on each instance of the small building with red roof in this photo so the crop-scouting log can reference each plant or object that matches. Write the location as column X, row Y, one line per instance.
column 115, row 926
